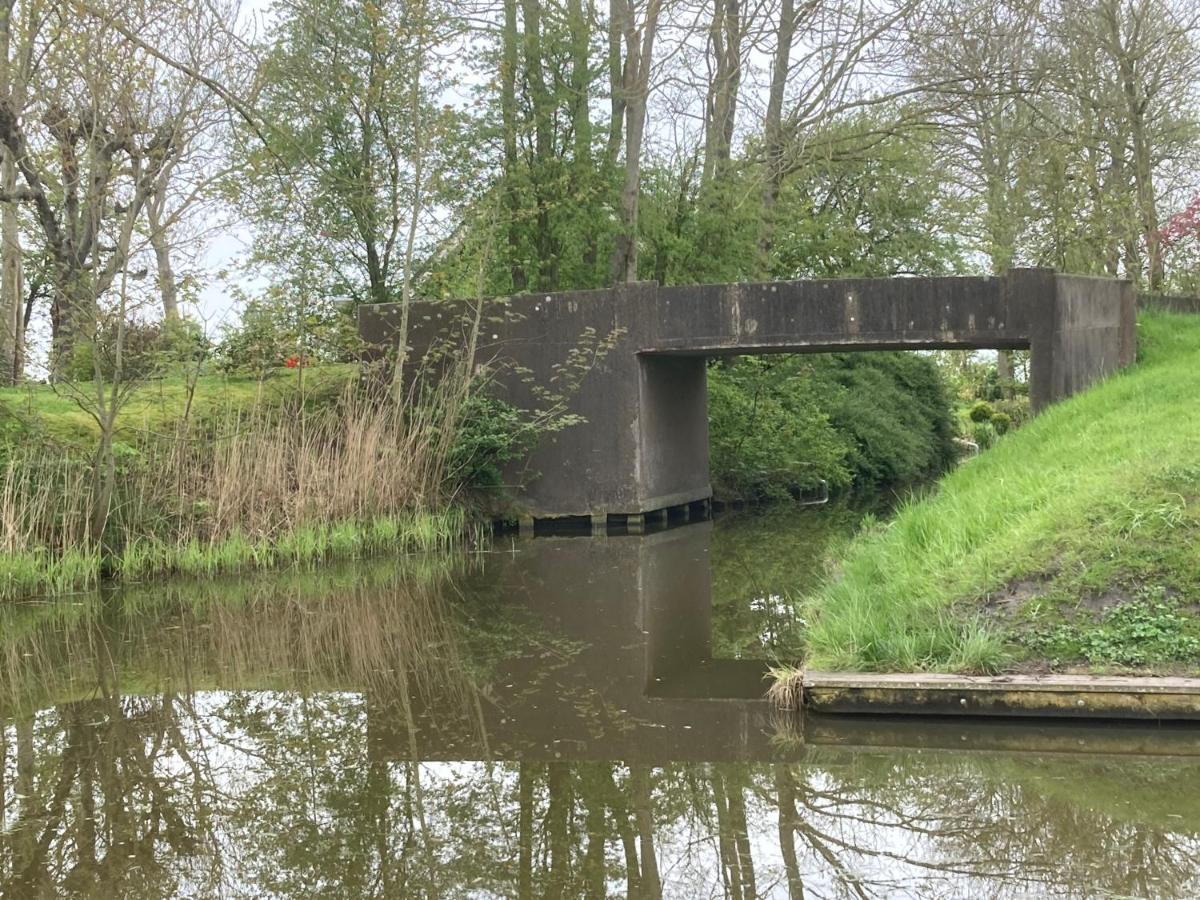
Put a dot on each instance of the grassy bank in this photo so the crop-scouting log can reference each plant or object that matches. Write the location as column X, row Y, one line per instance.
column 1074, row 542
column 234, row 475
column 155, row 406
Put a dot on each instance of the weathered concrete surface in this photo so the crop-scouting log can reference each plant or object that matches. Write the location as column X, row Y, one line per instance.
column 644, row 445
column 1052, row 696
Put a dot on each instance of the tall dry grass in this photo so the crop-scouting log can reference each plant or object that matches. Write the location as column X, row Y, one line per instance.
column 45, row 510
column 251, row 488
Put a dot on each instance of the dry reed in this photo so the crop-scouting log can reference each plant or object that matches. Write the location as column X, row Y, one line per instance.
column 257, row 487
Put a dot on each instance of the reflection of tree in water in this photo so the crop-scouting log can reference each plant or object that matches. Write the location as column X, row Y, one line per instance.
column 279, row 786
column 758, row 584
column 105, row 792
column 279, row 794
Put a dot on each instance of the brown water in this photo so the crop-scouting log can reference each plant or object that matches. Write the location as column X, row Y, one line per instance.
column 554, row 718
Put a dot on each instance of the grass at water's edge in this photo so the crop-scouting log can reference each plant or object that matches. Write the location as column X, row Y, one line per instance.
column 1074, row 542
column 27, row 575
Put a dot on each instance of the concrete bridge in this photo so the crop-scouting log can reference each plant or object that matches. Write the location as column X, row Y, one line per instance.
column 643, row 447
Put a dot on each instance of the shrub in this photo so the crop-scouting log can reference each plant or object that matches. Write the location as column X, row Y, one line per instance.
column 274, row 329
column 146, row 347
column 983, row 434
column 1001, row 422
column 780, row 425
column 981, row 411
column 767, row 435
column 896, row 412
column 490, row 434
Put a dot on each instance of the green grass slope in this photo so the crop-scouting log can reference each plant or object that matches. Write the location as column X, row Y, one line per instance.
column 156, row 404
column 1073, row 544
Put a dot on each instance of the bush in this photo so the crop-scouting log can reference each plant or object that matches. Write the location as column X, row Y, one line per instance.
column 490, row 434
column 146, row 348
column 768, row 437
column 896, row 412
column 981, row 411
column 983, row 434
column 782, row 424
column 1002, row 423
column 274, row 329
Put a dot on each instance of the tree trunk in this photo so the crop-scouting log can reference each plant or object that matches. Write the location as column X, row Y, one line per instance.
column 595, row 789
column 639, row 51
column 741, row 836
column 542, row 172
column 525, row 832
column 12, row 288
column 167, row 288
column 725, row 47
column 558, row 790
column 639, row 787
column 508, row 113
column 616, row 80
column 785, row 792
column 773, row 133
column 11, row 291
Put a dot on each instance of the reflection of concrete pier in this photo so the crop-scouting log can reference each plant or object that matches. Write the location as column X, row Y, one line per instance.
column 618, row 663
column 615, row 663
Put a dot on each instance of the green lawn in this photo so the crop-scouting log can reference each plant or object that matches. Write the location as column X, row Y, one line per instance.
column 1074, row 543
column 157, row 404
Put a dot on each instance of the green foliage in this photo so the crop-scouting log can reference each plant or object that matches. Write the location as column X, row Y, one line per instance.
column 779, row 425
column 984, row 434
column 696, row 234
column 490, row 434
column 880, row 213
column 896, row 411
column 1002, row 422
column 146, row 348
column 981, row 411
column 1149, row 630
column 333, row 189
column 282, row 326
column 768, row 436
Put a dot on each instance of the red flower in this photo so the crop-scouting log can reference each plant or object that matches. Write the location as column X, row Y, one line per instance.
column 292, row 362
column 1182, row 225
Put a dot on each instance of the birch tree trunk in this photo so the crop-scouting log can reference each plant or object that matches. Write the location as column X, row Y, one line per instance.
column 167, row 288
column 11, row 286
column 635, row 89
column 785, row 36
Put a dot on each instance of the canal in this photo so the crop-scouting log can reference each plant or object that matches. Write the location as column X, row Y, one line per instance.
column 549, row 717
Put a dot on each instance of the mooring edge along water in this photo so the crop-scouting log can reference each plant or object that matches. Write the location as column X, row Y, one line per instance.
column 541, row 717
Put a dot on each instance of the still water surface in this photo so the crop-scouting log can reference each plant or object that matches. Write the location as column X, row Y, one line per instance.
column 559, row 717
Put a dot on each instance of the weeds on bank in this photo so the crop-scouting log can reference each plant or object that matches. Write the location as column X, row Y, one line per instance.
column 1149, row 631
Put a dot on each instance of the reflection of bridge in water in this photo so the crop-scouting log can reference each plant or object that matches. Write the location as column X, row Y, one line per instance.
column 616, row 663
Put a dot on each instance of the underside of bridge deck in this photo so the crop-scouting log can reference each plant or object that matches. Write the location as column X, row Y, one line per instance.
column 641, row 351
